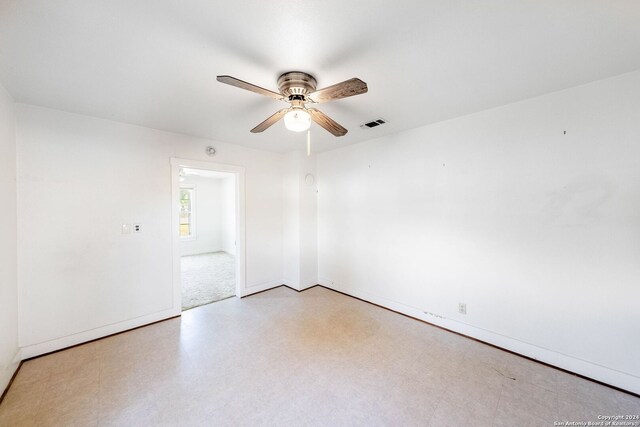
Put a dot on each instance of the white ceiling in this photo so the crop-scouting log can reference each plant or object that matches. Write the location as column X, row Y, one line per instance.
column 154, row 63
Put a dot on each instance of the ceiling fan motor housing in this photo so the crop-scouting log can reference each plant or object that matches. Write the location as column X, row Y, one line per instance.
column 296, row 84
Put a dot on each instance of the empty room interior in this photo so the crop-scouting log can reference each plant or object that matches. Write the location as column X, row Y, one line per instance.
column 207, row 236
column 295, row 213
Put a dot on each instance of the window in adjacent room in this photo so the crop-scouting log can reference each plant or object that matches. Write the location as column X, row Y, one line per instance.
column 187, row 217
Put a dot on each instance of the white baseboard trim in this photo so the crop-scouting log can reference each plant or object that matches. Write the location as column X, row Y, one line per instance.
column 9, row 370
column 254, row 289
column 290, row 284
column 300, row 287
column 622, row 380
column 306, row 284
column 38, row 349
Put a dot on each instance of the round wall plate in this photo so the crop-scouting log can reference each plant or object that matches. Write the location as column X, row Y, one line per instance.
column 309, row 179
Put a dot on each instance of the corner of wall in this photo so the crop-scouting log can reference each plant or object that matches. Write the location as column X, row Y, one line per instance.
column 10, row 355
column 300, row 264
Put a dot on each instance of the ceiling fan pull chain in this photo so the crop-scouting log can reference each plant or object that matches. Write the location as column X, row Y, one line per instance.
column 309, row 142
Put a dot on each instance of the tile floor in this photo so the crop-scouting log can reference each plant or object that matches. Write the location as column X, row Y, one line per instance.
column 287, row 358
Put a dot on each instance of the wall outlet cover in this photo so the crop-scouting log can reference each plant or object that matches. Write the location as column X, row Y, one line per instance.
column 462, row 308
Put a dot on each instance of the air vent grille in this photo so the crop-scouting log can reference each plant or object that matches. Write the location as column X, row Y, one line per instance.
column 373, row 124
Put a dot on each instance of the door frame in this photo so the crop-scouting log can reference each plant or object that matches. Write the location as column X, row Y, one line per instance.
column 238, row 171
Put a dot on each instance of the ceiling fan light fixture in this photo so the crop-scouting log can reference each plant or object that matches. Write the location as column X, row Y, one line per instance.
column 298, row 88
column 297, row 120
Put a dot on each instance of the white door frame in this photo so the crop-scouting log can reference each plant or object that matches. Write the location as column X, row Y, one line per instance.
column 176, row 165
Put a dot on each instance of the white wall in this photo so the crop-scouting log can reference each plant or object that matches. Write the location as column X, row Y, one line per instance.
column 79, row 179
column 215, row 220
column 291, row 220
column 9, row 352
column 300, row 221
column 308, row 209
column 537, row 231
column 228, row 215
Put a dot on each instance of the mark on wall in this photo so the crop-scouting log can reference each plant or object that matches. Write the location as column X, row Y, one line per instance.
column 580, row 202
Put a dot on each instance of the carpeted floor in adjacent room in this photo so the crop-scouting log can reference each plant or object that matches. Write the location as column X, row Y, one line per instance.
column 207, row 278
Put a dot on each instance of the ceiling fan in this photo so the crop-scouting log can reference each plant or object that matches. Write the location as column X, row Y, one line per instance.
column 298, row 88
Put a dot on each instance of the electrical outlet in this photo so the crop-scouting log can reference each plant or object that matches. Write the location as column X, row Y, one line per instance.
column 462, row 308
column 137, row 228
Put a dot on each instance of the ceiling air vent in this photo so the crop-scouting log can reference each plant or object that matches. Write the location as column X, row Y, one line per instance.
column 373, row 123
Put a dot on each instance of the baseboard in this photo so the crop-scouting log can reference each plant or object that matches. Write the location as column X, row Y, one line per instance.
column 301, row 287
column 39, row 349
column 254, row 289
column 606, row 376
column 9, row 372
column 289, row 284
column 310, row 283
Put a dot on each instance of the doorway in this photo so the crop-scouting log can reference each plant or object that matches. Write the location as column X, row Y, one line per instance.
column 208, row 221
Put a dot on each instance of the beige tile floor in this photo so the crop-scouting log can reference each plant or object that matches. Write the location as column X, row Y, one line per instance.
column 287, row 358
